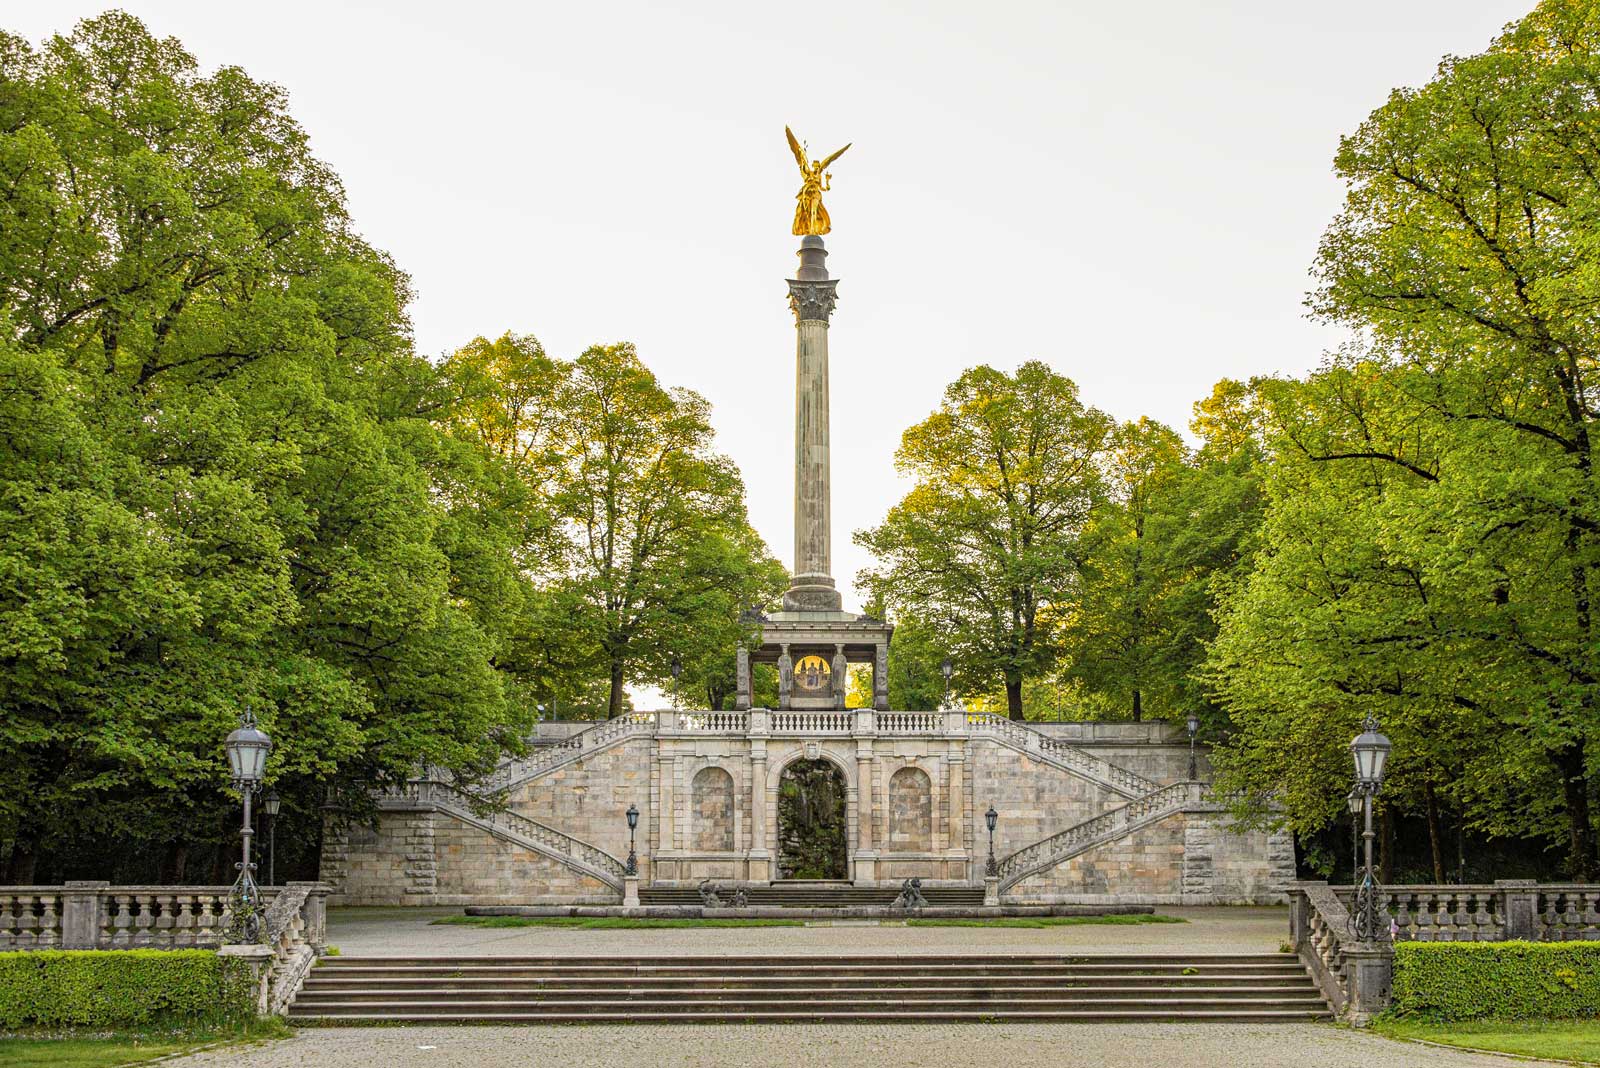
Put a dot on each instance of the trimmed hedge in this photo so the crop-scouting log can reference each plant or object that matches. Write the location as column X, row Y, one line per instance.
column 121, row 988
column 1450, row 981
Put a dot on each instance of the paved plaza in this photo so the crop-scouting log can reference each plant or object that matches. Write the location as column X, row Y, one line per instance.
column 847, row 1046
column 391, row 932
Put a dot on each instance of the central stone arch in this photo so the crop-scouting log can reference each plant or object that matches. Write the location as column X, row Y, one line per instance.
column 813, row 820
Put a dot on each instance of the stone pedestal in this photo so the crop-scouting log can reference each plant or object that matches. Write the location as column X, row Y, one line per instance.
column 1522, row 909
column 257, row 960
column 80, row 914
column 630, row 891
column 991, row 890
column 1369, row 971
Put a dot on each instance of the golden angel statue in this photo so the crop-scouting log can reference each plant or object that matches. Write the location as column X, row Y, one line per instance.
column 810, row 217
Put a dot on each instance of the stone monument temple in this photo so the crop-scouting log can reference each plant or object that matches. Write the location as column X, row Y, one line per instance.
column 1090, row 812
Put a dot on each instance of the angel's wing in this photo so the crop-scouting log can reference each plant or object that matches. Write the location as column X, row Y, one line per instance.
column 799, row 153
column 835, row 156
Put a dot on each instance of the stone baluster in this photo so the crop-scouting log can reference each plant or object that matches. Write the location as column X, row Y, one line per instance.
column 1424, row 918
column 1492, row 922
column 1591, row 918
column 1461, row 919
column 49, row 930
column 165, row 919
column 1401, row 906
column 1571, row 919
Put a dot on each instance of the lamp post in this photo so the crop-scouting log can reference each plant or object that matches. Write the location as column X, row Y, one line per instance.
column 1370, row 751
column 247, row 749
column 1193, row 723
column 947, row 669
column 1354, row 803
column 270, row 806
column 677, row 672
column 633, row 857
column 991, row 818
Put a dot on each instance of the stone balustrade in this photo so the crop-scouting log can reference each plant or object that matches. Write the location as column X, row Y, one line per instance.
column 1354, row 975
column 97, row 915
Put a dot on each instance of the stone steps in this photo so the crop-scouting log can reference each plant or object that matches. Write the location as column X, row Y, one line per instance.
column 914, row 988
column 821, row 897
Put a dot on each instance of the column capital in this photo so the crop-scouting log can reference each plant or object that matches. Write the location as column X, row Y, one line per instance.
column 812, row 300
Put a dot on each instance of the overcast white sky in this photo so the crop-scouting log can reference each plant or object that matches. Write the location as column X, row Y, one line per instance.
column 1132, row 192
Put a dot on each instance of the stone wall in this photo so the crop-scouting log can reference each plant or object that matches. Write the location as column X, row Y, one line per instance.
column 475, row 867
column 915, row 806
column 1034, row 799
column 393, row 863
column 589, row 798
column 1188, row 858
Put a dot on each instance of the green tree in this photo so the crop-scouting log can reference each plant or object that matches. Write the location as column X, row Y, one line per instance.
column 661, row 558
column 1114, row 636
column 1006, row 473
column 225, row 486
column 1431, row 547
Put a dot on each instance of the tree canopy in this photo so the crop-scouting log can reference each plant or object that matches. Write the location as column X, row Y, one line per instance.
column 231, row 483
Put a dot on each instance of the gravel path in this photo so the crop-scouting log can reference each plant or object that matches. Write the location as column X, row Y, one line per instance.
column 373, row 932
column 847, row 1046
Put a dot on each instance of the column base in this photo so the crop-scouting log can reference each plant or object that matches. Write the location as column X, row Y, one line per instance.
column 812, row 598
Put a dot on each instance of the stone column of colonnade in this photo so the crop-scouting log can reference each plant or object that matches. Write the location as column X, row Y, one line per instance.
column 812, row 296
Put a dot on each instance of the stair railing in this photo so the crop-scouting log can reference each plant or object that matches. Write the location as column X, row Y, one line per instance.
column 1063, row 754
column 1108, row 826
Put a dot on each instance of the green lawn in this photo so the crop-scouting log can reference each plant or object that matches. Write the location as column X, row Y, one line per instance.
column 1559, row 1040
column 1044, row 921
column 600, row 922
column 109, row 1050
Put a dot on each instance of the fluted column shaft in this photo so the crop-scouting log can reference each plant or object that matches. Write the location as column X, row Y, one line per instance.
column 812, row 297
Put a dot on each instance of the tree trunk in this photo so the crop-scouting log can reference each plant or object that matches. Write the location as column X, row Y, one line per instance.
column 1014, row 696
column 1580, row 834
column 1138, row 706
column 1435, row 846
column 24, row 862
column 614, row 705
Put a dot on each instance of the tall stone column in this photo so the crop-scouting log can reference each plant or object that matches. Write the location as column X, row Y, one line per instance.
column 811, row 296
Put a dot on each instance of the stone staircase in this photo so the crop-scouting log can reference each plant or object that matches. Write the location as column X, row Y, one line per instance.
column 475, row 811
column 1242, row 988
column 821, row 895
column 1047, row 853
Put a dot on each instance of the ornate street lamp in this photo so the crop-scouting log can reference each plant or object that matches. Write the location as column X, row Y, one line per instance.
column 677, row 672
column 1193, row 723
column 1370, row 751
column 270, row 806
column 633, row 857
column 947, row 669
column 991, row 818
column 247, row 750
